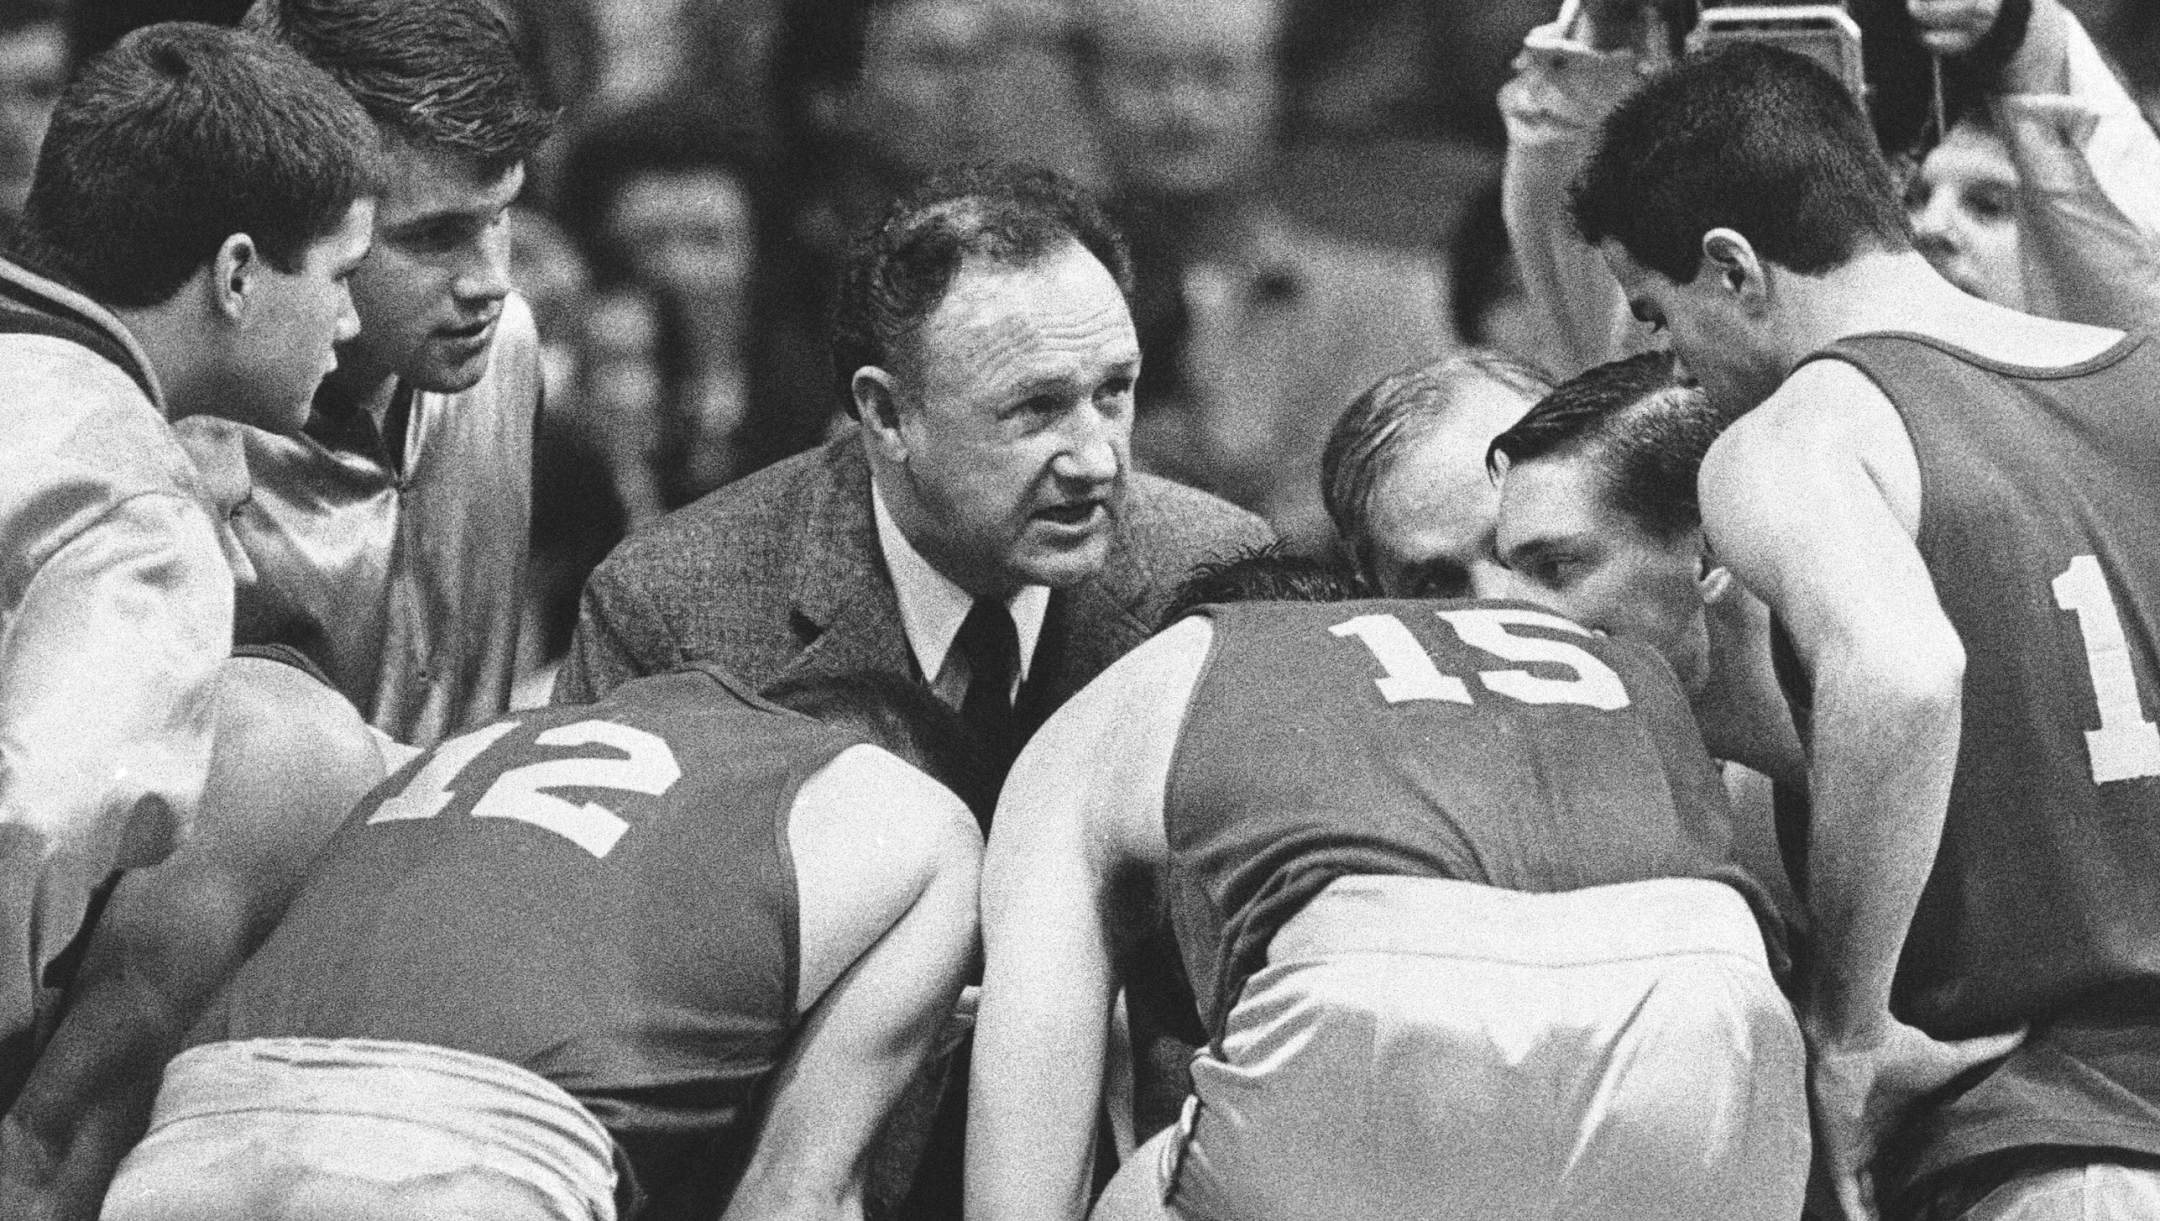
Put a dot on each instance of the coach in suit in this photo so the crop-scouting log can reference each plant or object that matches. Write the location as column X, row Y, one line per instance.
column 980, row 529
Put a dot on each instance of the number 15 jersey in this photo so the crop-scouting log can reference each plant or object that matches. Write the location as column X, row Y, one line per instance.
column 601, row 894
column 1485, row 742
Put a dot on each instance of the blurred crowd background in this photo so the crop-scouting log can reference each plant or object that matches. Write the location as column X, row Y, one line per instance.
column 1318, row 177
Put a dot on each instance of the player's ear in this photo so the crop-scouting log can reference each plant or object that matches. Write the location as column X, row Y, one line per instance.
column 233, row 273
column 1731, row 258
column 1715, row 583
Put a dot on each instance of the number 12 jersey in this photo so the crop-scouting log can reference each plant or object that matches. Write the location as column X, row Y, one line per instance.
column 602, row 894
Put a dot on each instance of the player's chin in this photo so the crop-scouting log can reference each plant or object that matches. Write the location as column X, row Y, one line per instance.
column 451, row 368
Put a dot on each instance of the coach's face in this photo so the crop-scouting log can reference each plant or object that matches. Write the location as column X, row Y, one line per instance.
column 1429, row 519
column 1002, row 439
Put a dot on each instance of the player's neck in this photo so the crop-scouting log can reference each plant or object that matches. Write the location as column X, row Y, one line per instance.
column 358, row 384
column 1900, row 292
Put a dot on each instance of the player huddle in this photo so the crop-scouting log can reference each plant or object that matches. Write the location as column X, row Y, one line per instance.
column 1451, row 893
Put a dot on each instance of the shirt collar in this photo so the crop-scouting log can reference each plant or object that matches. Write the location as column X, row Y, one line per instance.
column 932, row 607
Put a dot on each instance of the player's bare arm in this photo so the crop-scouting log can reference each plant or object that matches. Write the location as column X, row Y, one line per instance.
column 1814, row 500
column 1082, row 810
column 886, row 864
column 291, row 758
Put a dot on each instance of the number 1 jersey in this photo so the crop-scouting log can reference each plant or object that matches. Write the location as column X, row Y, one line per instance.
column 2040, row 526
column 1486, row 742
column 601, row 894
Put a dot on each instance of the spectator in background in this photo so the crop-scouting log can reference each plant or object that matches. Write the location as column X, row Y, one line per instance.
column 579, row 518
column 33, row 67
column 732, row 64
column 1488, row 300
column 389, row 539
column 1417, row 68
column 2088, row 200
column 674, row 207
column 1963, row 205
column 1404, row 475
column 878, row 93
column 1258, row 330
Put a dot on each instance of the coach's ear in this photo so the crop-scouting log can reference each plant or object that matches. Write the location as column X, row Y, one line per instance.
column 1731, row 258
column 877, row 405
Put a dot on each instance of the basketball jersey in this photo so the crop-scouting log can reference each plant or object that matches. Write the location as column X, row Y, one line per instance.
column 1486, row 742
column 2040, row 526
column 602, row 894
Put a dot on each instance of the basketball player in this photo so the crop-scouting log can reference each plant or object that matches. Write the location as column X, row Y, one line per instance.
column 1950, row 507
column 1455, row 885
column 289, row 760
column 179, row 257
column 624, row 960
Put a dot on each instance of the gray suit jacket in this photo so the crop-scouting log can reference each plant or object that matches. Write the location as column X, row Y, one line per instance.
column 780, row 576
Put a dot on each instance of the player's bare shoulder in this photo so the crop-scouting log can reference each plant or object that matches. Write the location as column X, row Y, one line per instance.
column 1827, row 418
column 884, row 804
column 884, row 815
column 1097, row 768
column 869, row 835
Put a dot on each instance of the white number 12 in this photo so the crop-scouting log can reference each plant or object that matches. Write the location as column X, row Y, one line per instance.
column 520, row 793
column 2126, row 746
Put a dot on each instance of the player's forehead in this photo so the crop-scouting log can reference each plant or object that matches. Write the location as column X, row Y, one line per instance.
column 1556, row 500
column 1642, row 286
column 423, row 183
column 342, row 249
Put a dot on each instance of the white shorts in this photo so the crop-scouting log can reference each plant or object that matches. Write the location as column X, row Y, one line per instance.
column 240, row 1128
column 1420, row 1048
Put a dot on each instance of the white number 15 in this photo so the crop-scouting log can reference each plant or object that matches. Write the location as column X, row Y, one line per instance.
column 1411, row 674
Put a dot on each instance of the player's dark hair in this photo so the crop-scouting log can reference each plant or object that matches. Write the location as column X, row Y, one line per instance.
column 178, row 137
column 1752, row 138
column 899, row 271
column 1266, row 573
column 904, row 718
column 442, row 74
column 1396, row 410
column 1645, row 430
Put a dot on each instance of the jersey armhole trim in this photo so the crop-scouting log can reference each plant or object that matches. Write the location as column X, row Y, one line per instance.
column 784, row 846
column 1923, row 461
column 1165, row 902
column 2114, row 354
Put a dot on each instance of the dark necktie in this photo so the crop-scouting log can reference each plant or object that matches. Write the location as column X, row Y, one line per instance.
column 991, row 646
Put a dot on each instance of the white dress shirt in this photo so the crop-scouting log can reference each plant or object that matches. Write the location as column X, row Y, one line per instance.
column 932, row 608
